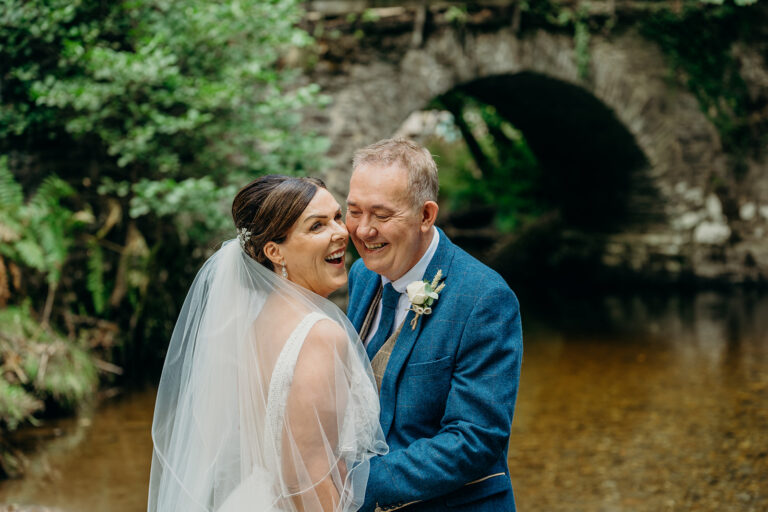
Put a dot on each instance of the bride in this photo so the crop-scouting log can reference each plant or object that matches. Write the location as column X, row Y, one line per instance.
column 266, row 400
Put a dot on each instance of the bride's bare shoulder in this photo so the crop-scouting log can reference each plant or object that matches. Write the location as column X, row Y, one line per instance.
column 327, row 334
column 323, row 353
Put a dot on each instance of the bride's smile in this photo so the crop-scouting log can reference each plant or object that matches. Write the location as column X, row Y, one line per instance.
column 314, row 249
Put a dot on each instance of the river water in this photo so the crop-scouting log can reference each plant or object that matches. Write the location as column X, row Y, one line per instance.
column 626, row 403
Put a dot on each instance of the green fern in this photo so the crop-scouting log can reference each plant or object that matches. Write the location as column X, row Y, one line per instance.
column 11, row 194
column 40, row 232
column 49, row 194
column 95, row 281
column 10, row 233
column 11, row 198
column 30, row 253
column 54, row 240
column 16, row 405
column 66, row 376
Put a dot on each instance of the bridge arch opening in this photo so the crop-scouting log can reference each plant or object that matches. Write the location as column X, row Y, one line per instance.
column 589, row 174
column 588, row 158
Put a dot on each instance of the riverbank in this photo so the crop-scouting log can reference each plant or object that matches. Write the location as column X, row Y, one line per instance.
column 39, row 369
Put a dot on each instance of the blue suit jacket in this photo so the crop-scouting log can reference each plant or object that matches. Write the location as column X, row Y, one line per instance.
column 448, row 393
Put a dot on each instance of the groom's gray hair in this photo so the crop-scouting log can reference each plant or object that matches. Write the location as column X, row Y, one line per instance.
column 423, row 184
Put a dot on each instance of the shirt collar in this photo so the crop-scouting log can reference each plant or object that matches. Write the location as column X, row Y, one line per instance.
column 416, row 273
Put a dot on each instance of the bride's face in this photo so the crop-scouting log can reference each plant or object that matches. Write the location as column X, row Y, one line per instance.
column 314, row 249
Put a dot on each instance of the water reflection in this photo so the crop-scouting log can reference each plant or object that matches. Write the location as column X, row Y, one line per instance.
column 99, row 462
column 627, row 403
column 644, row 403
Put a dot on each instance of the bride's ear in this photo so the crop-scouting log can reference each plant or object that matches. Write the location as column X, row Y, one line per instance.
column 273, row 253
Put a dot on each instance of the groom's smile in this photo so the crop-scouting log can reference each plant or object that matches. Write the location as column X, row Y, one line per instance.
column 374, row 247
column 383, row 223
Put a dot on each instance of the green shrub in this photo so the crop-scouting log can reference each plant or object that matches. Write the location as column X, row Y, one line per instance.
column 152, row 113
column 39, row 366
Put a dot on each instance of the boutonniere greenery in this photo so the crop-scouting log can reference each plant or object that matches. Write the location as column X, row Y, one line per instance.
column 422, row 295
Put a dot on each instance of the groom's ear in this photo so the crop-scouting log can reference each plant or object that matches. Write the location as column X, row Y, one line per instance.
column 273, row 254
column 428, row 215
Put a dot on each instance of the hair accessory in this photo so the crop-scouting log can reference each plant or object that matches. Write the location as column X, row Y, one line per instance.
column 243, row 235
column 285, row 272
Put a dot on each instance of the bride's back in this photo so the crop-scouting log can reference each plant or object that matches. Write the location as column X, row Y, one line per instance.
column 274, row 324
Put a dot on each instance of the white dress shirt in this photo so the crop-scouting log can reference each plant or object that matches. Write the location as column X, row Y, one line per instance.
column 416, row 273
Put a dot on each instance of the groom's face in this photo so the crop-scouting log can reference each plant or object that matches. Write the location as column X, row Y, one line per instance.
column 383, row 224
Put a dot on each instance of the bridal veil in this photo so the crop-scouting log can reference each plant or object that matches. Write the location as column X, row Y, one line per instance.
column 266, row 398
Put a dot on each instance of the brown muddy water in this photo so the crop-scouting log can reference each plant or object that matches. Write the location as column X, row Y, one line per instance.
column 625, row 404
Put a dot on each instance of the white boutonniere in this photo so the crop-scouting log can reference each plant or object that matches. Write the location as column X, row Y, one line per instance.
column 422, row 295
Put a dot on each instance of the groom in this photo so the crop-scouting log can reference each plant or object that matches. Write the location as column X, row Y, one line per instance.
column 448, row 377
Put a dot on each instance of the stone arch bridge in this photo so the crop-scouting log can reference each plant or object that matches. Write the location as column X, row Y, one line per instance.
column 622, row 132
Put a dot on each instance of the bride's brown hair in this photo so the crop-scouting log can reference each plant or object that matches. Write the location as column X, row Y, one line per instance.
column 268, row 207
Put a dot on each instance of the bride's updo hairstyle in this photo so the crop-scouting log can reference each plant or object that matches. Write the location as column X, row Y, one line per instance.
column 268, row 207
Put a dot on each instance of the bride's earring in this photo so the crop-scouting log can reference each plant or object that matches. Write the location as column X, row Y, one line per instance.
column 285, row 272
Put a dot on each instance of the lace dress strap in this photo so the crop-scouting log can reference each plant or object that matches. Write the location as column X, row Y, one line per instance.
column 282, row 376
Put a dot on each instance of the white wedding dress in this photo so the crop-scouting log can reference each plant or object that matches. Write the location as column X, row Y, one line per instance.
column 266, row 392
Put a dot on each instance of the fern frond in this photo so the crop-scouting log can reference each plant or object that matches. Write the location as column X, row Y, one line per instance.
column 52, row 236
column 11, row 194
column 10, row 230
column 50, row 193
column 31, row 254
column 16, row 404
column 95, row 281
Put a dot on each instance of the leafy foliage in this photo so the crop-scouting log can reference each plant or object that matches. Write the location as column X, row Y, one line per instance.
column 698, row 44
column 95, row 281
column 581, row 39
column 39, row 232
column 156, row 81
column 153, row 113
column 38, row 366
column 501, row 171
column 573, row 17
column 16, row 405
column 39, row 369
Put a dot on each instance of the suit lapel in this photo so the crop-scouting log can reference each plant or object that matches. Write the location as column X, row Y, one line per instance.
column 407, row 339
column 362, row 301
